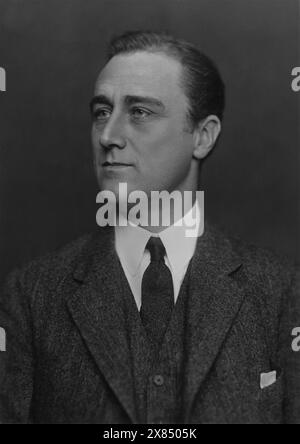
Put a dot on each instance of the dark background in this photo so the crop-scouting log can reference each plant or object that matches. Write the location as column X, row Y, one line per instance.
column 52, row 51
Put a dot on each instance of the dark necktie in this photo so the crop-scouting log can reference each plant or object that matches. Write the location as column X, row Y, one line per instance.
column 157, row 293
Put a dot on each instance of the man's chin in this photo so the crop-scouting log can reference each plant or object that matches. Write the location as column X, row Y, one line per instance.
column 120, row 188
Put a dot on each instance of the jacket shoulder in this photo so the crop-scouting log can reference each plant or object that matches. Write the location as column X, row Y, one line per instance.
column 264, row 262
column 51, row 267
column 262, row 266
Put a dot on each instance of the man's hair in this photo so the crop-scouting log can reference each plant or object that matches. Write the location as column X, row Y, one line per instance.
column 201, row 80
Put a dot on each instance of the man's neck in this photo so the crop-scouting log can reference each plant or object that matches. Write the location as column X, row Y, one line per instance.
column 167, row 215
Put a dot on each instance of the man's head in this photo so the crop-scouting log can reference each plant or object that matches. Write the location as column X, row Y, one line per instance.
column 157, row 110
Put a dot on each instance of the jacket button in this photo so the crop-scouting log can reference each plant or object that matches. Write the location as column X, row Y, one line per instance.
column 158, row 380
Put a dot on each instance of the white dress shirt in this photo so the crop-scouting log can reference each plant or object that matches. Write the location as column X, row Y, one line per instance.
column 131, row 240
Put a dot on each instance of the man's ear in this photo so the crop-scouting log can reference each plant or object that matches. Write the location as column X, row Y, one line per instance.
column 205, row 136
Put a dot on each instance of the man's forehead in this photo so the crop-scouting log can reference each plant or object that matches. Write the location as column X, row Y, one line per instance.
column 139, row 73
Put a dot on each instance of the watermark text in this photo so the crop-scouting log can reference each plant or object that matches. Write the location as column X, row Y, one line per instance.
column 2, row 79
column 296, row 341
column 296, row 79
column 156, row 209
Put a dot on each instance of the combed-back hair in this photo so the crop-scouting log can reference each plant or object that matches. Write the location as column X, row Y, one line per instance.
column 201, row 80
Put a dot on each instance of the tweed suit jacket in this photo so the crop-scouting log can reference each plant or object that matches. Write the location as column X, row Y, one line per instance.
column 67, row 358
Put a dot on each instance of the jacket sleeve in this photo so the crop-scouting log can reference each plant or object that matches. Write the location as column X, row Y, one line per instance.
column 16, row 352
column 289, row 350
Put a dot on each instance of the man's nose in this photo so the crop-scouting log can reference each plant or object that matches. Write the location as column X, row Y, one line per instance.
column 113, row 135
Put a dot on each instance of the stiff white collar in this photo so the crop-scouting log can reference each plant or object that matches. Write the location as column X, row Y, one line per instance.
column 131, row 241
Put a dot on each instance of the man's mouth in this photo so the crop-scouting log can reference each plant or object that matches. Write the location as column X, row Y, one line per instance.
column 113, row 165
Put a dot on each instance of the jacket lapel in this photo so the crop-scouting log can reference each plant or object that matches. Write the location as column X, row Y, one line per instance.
column 97, row 307
column 98, row 311
column 214, row 301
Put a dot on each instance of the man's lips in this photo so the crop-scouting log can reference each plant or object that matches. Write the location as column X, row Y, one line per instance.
column 115, row 164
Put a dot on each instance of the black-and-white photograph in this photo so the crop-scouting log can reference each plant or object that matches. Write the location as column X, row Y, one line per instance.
column 149, row 214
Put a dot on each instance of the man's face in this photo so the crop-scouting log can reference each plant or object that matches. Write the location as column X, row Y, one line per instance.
column 139, row 131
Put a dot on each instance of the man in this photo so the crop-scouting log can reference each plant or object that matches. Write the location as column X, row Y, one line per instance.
column 142, row 324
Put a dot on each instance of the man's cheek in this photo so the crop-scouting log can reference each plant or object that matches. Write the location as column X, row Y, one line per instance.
column 98, row 157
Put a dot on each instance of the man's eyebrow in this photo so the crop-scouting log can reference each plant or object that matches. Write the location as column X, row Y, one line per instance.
column 133, row 100
column 129, row 100
column 99, row 100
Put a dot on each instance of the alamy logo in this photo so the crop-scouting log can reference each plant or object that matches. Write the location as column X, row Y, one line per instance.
column 296, row 341
column 2, row 80
column 159, row 209
column 296, row 80
column 2, row 340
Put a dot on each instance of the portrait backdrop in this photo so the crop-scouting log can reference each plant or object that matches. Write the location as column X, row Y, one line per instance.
column 52, row 52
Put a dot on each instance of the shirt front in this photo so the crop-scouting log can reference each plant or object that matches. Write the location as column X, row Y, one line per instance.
column 131, row 241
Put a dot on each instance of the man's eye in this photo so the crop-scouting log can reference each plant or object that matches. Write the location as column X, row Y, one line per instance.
column 140, row 113
column 101, row 114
